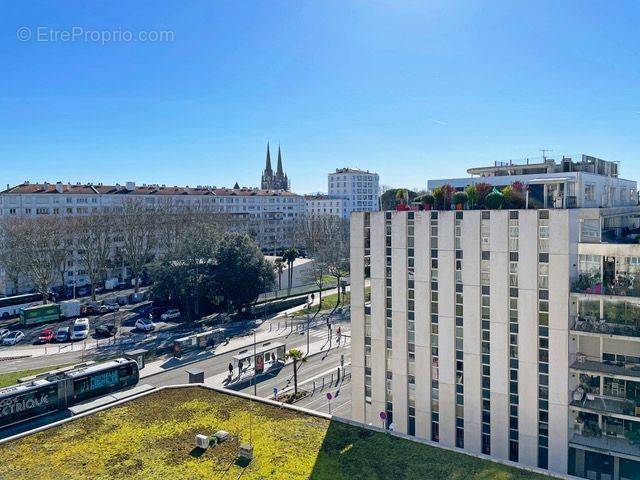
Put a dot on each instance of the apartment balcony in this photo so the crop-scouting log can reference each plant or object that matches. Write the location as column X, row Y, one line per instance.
column 612, row 328
column 605, row 404
column 612, row 369
column 609, row 445
column 622, row 285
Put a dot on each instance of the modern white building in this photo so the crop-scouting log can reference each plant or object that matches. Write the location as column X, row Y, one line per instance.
column 263, row 213
column 513, row 333
column 320, row 204
column 586, row 182
column 360, row 189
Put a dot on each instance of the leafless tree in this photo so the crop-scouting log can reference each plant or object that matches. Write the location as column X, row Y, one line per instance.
column 94, row 241
column 137, row 227
column 46, row 249
column 12, row 258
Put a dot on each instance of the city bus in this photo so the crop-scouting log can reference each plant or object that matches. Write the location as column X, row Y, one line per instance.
column 40, row 314
column 10, row 306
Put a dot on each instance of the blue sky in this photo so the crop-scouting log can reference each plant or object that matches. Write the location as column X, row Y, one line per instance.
column 413, row 90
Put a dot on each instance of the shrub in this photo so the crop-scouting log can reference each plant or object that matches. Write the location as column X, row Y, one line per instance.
column 428, row 199
column 472, row 195
column 494, row 200
column 447, row 194
column 438, row 197
column 460, row 198
column 483, row 189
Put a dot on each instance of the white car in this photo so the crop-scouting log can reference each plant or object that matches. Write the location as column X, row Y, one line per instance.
column 80, row 329
column 170, row 314
column 4, row 332
column 13, row 338
column 145, row 325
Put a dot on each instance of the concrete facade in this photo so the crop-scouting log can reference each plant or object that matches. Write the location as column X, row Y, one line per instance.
column 521, row 261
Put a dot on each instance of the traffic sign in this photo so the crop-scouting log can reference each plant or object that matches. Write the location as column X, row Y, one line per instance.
column 329, row 396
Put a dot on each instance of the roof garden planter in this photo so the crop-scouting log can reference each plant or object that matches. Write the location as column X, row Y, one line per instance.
column 460, row 199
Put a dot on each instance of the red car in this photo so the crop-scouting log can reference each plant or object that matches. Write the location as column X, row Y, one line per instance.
column 46, row 335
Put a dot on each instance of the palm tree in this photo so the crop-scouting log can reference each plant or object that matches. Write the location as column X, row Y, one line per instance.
column 298, row 357
column 289, row 256
column 279, row 269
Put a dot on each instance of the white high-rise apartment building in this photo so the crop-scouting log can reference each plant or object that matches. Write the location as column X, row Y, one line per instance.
column 360, row 190
column 513, row 333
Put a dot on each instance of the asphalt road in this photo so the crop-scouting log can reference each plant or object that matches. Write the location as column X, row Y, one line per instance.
column 219, row 364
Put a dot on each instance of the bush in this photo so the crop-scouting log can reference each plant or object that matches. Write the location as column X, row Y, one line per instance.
column 427, row 199
column 460, row 198
column 472, row 195
column 494, row 200
column 483, row 189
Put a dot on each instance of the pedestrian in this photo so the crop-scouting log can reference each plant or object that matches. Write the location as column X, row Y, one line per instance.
column 230, row 368
column 240, row 368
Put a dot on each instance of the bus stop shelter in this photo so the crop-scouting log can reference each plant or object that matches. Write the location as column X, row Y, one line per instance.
column 264, row 357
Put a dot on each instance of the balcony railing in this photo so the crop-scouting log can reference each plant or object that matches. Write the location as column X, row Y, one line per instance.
column 603, row 443
column 585, row 363
column 605, row 327
column 623, row 235
column 605, row 404
column 623, row 285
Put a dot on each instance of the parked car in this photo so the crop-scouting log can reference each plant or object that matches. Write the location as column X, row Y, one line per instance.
column 170, row 314
column 62, row 335
column 13, row 338
column 46, row 335
column 83, row 291
column 91, row 308
column 145, row 324
column 108, row 307
column 4, row 332
column 80, row 329
column 107, row 330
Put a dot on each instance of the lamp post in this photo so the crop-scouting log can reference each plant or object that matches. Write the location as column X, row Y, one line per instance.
column 308, row 322
column 255, row 386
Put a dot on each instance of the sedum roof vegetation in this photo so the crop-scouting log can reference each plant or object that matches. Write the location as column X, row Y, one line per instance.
column 153, row 437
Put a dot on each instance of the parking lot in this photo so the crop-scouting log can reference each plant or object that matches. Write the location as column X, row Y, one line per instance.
column 124, row 320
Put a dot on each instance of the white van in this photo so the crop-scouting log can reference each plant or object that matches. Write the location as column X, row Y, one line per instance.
column 80, row 329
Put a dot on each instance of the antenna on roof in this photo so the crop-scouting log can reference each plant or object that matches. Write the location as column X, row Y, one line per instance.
column 544, row 153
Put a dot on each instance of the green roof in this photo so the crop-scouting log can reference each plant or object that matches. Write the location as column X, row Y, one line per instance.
column 153, row 437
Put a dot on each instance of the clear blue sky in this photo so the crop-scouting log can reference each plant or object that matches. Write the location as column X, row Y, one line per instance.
column 413, row 90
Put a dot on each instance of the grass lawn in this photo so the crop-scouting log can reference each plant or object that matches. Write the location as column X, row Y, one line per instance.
column 153, row 438
column 11, row 378
column 328, row 302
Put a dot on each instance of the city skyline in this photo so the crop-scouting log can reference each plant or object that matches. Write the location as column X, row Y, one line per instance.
column 431, row 88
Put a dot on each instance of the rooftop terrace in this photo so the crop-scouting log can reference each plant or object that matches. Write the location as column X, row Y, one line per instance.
column 152, row 437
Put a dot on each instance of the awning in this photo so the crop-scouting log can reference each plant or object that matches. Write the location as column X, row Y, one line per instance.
column 551, row 180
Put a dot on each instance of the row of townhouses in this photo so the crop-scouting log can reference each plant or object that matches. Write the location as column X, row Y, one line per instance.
column 513, row 333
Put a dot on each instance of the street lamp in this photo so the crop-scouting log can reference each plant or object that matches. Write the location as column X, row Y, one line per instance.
column 308, row 322
column 255, row 385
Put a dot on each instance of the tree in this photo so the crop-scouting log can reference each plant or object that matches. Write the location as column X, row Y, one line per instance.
column 290, row 255
column 185, row 275
column 45, row 249
column 336, row 256
column 298, row 357
column 12, row 258
column 94, row 245
column 137, row 229
column 279, row 266
column 242, row 272
column 389, row 200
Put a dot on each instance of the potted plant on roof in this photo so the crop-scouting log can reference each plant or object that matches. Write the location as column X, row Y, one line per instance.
column 427, row 201
column 402, row 197
column 483, row 189
column 438, row 198
column 447, row 196
column 472, row 196
column 494, row 200
column 460, row 199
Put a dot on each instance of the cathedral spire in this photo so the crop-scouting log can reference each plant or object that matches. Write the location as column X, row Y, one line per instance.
column 267, row 168
column 279, row 170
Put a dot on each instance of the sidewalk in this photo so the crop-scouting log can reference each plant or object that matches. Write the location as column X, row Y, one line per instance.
column 264, row 333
